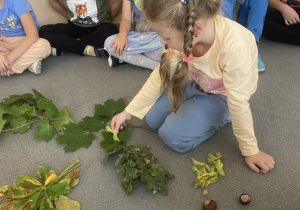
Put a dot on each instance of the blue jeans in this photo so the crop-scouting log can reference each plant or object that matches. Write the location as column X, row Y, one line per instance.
column 251, row 14
column 197, row 119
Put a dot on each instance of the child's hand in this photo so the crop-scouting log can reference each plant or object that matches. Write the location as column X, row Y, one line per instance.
column 290, row 16
column 120, row 120
column 261, row 162
column 5, row 65
column 120, row 44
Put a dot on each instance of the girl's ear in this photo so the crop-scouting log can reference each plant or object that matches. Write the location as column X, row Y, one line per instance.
column 197, row 28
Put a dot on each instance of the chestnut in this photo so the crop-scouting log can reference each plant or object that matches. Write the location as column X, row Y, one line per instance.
column 209, row 204
column 245, row 199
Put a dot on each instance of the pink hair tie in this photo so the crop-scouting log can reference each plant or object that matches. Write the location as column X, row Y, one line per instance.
column 188, row 59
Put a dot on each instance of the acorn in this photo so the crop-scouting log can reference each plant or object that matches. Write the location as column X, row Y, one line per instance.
column 209, row 204
column 245, row 199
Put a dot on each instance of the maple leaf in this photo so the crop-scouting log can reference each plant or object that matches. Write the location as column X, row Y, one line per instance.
column 19, row 125
column 45, row 104
column 92, row 124
column 21, row 110
column 44, row 131
column 110, row 108
column 62, row 119
column 75, row 137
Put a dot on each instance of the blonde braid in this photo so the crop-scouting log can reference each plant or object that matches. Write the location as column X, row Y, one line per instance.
column 181, row 76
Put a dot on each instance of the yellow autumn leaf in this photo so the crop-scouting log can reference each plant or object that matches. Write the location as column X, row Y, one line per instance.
column 52, row 178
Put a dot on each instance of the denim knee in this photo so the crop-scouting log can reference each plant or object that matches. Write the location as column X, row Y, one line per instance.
column 172, row 139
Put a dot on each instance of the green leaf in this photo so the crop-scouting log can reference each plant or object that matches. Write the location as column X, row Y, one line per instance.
column 61, row 188
column 44, row 131
column 110, row 144
column 75, row 137
column 27, row 182
column 4, row 110
column 34, row 198
column 45, row 104
column 65, row 203
column 110, row 108
column 15, row 98
column 46, row 203
column 163, row 190
column 92, row 124
column 20, row 110
column 42, row 172
column 62, row 119
column 19, row 125
column 2, row 123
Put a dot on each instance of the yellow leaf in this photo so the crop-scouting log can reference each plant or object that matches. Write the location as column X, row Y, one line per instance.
column 52, row 178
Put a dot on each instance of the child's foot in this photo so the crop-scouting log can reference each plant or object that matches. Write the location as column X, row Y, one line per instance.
column 36, row 67
column 101, row 52
column 113, row 61
column 57, row 52
column 261, row 65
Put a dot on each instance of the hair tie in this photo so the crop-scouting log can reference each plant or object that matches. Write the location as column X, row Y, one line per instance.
column 184, row 2
column 169, row 53
column 188, row 59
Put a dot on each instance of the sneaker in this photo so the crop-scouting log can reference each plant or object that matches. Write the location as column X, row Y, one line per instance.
column 57, row 52
column 101, row 52
column 36, row 67
column 113, row 61
column 261, row 65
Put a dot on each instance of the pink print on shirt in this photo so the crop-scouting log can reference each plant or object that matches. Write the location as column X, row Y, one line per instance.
column 208, row 85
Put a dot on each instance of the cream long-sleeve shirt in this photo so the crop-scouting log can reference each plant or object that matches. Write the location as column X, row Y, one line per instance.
column 228, row 68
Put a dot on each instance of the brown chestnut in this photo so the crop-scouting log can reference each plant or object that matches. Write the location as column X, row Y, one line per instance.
column 245, row 199
column 209, row 204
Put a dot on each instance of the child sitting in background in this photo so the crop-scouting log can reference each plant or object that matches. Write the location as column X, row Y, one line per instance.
column 282, row 23
column 250, row 14
column 20, row 45
column 203, row 82
column 136, row 47
column 87, row 28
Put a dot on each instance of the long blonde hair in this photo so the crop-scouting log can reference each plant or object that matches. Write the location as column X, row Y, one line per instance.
column 181, row 18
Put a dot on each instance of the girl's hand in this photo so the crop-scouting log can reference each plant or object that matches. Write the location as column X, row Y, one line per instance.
column 5, row 65
column 261, row 162
column 290, row 16
column 120, row 44
column 120, row 120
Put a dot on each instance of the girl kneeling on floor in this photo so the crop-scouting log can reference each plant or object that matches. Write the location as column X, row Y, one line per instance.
column 203, row 82
column 20, row 46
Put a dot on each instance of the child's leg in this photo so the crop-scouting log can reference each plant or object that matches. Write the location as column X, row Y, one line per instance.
column 38, row 51
column 197, row 119
column 139, row 60
column 64, row 36
column 155, row 54
column 276, row 30
column 252, row 15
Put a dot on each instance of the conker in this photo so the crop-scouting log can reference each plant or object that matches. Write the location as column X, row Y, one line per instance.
column 245, row 199
column 147, row 161
column 209, row 204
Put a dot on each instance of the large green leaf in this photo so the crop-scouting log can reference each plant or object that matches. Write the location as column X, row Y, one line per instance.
column 65, row 203
column 92, row 124
column 45, row 104
column 19, row 125
column 62, row 119
column 75, row 137
column 44, row 131
column 110, row 108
